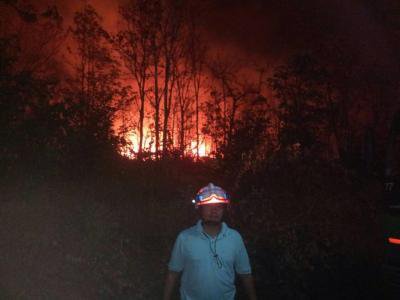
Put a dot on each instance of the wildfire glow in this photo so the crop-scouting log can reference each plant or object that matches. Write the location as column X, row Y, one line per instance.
column 203, row 149
column 132, row 147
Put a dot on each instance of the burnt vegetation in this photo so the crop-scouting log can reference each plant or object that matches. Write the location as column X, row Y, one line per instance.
column 300, row 148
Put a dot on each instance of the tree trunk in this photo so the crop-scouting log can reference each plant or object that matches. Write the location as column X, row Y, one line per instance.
column 196, row 95
column 157, row 107
column 167, row 105
column 182, row 131
column 141, row 120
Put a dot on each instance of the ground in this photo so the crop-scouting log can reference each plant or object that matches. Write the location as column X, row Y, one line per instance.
column 108, row 234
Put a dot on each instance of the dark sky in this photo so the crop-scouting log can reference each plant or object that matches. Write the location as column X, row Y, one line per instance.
column 275, row 28
column 269, row 30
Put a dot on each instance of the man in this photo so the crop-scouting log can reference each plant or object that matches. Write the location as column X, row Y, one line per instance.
column 208, row 255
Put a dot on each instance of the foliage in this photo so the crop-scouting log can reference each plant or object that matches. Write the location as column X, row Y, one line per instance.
column 95, row 93
column 310, row 229
column 312, row 226
column 30, row 121
column 250, row 142
column 301, row 87
column 214, row 126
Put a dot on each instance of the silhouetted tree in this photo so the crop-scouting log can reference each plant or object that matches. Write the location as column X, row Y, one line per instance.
column 300, row 88
column 214, row 125
column 30, row 117
column 360, row 97
column 250, row 144
column 184, row 103
column 155, row 14
column 135, row 43
column 171, row 35
column 95, row 92
column 196, row 56
column 229, row 92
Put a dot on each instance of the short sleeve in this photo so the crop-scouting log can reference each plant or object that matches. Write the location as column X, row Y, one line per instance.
column 242, row 262
column 177, row 257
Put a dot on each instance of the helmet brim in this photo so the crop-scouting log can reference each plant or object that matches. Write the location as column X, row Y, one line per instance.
column 212, row 200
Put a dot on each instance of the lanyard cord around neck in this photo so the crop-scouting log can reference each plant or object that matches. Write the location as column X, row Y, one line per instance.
column 214, row 251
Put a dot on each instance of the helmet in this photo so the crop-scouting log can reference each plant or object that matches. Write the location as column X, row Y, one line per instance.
column 211, row 194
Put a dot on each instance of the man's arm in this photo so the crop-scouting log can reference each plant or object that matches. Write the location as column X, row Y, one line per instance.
column 248, row 283
column 170, row 282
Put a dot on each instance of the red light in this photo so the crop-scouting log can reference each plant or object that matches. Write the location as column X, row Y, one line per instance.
column 394, row 241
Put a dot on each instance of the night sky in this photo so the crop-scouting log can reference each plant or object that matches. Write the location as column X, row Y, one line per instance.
column 267, row 32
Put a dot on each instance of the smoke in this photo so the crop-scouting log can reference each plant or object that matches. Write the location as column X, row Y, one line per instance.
column 277, row 28
column 267, row 32
column 271, row 30
column 108, row 10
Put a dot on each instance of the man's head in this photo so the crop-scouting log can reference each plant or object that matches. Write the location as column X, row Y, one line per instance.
column 211, row 201
column 212, row 214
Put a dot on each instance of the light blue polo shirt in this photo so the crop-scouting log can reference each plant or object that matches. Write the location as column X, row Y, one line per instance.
column 208, row 265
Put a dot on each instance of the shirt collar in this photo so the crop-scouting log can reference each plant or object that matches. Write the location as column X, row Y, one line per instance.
column 221, row 234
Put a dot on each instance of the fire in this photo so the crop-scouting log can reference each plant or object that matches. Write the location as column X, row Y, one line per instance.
column 132, row 147
column 203, row 149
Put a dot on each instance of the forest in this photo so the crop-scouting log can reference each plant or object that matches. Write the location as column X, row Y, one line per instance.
column 107, row 132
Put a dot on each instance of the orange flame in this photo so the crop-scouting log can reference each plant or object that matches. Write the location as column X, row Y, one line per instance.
column 131, row 149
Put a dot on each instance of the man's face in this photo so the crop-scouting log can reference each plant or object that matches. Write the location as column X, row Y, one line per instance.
column 212, row 213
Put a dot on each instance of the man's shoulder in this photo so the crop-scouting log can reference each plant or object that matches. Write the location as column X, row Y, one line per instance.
column 191, row 231
column 233, row 233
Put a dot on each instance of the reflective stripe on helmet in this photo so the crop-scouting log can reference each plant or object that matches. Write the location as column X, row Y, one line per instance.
column 211, row 194
column 212, row 199
column 393, row 240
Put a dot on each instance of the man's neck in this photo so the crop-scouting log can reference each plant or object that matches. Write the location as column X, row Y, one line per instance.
column 212, row 229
